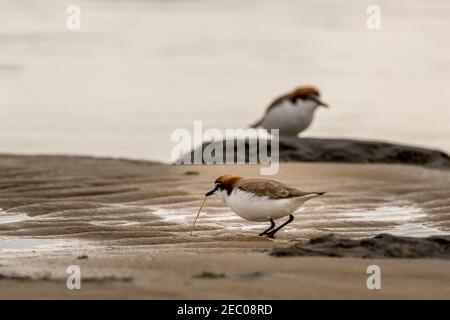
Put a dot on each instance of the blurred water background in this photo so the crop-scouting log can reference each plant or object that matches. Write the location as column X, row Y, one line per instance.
column 137, row 70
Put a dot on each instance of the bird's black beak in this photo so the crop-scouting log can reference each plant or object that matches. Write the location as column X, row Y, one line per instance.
column 319, row 102
column 323, row 104
column 210, row 193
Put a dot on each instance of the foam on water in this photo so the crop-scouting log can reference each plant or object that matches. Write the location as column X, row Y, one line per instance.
column 402, row 219
column 6, row 217
column 28, row 243
column 407, row 220
column 219, row 217
column 35, row 244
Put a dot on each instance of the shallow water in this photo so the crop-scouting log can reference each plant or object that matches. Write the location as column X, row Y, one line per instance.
column 401, row 220
column 35, row 244
column 356, row 221
column 12, row 217
column 137, row 70
column 408, row 220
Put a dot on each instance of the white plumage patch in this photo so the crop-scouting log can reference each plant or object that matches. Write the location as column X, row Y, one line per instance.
column 290, row 118
column 255, row 208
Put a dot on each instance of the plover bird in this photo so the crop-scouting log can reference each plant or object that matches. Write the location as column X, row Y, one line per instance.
column 293, row 112
column 260, row 199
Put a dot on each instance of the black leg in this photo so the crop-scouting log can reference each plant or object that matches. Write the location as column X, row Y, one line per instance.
column 272, row 233
column 272, row 225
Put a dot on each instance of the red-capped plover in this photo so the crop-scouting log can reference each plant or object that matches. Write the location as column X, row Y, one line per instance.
column 260, row 199
column 293, row 112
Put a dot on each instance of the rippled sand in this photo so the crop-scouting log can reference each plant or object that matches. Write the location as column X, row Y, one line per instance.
column 129, row 203
column 127, row 215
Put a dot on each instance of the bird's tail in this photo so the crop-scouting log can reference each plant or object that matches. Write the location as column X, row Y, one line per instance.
column 308, row 196
column 257, row 124
column 311, row 195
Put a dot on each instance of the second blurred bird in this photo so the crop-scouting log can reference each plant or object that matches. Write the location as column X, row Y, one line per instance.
column 293, row 112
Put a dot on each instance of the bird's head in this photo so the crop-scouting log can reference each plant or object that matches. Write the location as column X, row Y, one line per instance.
column 224, row 185
column 307, row 94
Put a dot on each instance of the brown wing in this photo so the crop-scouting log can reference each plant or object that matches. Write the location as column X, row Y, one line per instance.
column 276, row 102
column 270, row 188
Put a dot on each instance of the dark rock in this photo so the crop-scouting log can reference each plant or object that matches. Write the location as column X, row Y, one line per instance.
column 380, row 246
column 106, row 279
column 191, row 173
column 209, row 275
column 47, row 278
column 16, row 277
column 253, row 275
column 296, row 149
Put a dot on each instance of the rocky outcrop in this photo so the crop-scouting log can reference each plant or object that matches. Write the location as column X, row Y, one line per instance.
column 380, row 246
column 343, row 151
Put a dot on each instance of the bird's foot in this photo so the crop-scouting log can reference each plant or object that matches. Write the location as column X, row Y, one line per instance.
column 270, row 235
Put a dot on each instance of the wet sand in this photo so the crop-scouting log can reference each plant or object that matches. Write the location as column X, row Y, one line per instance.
column 240, row 275
column 132, row 220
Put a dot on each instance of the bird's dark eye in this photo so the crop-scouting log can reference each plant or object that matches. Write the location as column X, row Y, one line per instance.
column 303, row 98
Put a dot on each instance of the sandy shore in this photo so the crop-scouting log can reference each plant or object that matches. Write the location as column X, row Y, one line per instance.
column 131, row 219
column 239, row 275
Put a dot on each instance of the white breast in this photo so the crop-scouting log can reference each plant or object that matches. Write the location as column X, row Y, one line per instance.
column 289, row 118
column 254, row 208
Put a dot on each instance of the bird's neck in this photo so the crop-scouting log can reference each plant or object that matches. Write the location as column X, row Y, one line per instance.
column 223, row 195
column 308, row 106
